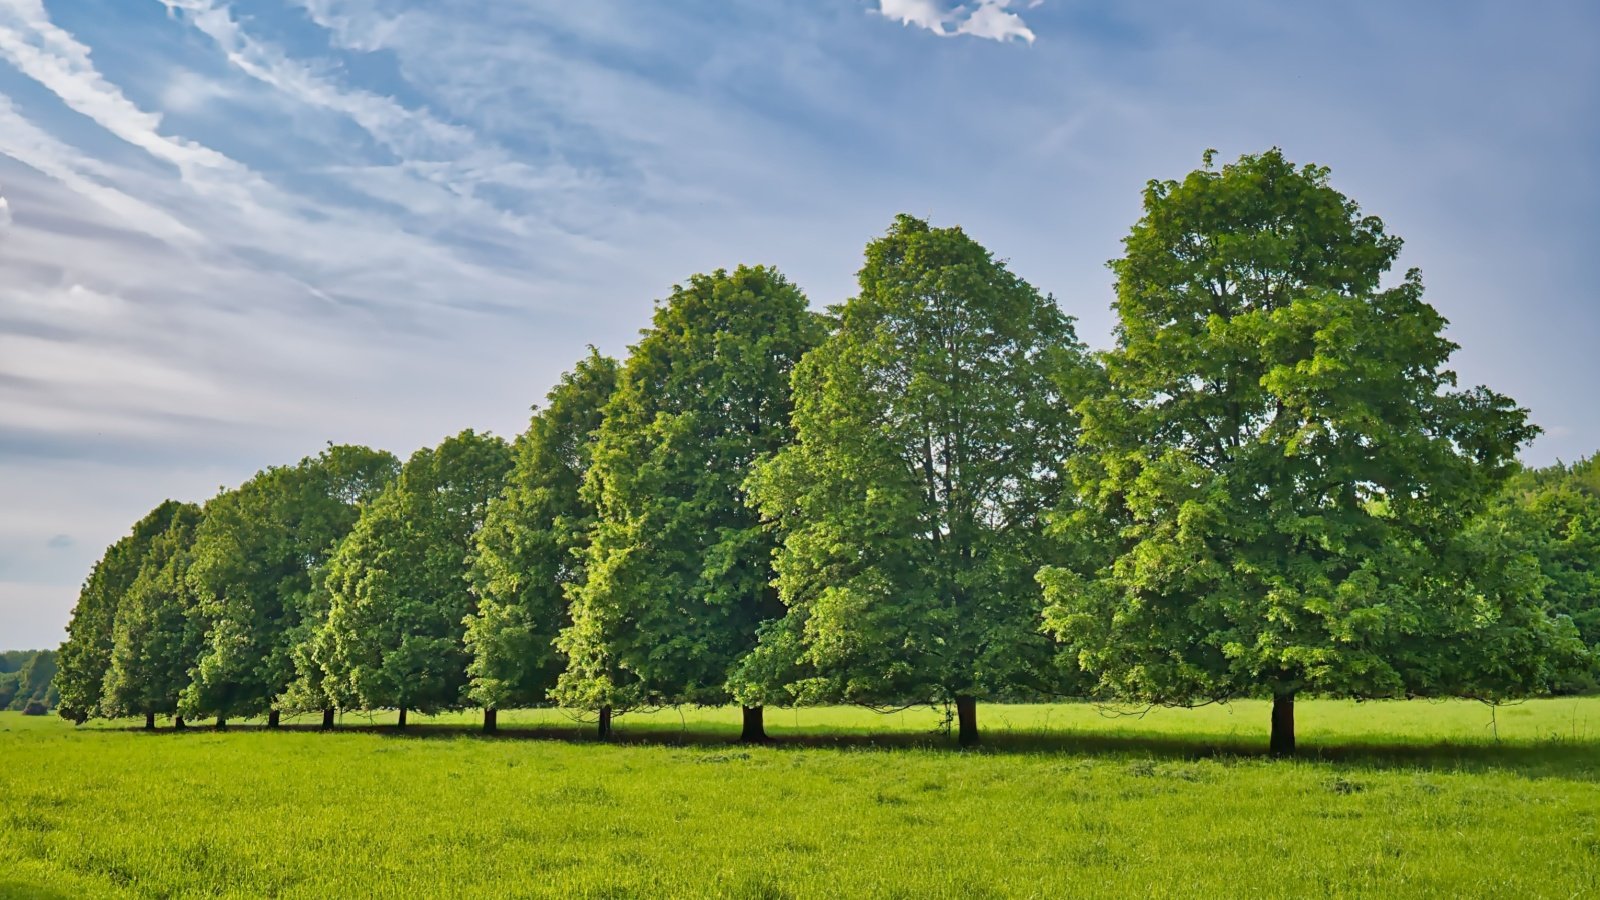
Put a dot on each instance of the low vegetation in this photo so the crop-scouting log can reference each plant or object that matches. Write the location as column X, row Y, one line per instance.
column 1392, row 798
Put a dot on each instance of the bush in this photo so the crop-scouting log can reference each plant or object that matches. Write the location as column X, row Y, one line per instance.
column 35, row 708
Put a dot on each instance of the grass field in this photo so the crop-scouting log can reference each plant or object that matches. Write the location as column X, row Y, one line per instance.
column 1389, row 799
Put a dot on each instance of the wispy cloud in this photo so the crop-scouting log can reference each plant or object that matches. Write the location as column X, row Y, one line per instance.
column 241, row 229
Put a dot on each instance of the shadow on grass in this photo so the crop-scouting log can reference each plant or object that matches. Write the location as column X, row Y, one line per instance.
column 20, row 890
column 1557, row 757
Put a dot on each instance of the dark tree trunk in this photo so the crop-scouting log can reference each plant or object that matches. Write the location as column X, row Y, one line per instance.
column 755, row 726
column 327, row 719
column 274, row 719
column 1283, row 725
column 149, row 721
column 605, row 723
column 967, row 719
column 222, row 722
column 402, row 717
column 177, row 722
column 491, row 720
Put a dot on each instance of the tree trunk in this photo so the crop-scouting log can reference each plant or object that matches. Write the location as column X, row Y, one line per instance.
column 755, row 727
column 491, row 720
column 967, row 718
column 149, row 721
column 327, row 719
column 1283, row 725
column 274, row 719
column 222, row 722
column 605, row 723
column 402, row 717
column 177, row 722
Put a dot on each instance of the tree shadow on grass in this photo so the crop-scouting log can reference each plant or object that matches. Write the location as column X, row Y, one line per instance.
column 1570, row 758
column 22, row 890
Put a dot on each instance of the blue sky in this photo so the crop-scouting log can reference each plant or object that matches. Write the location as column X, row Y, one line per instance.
column 232, row 232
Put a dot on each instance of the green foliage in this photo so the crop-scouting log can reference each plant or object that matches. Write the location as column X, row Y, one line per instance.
column 529, row 550
column 1549, row 520
column 85, row 657
column 1404, row 800
column 398, row 586
column 678, row 576
column 27, row 676
column 1277, row 485
column 929, row 431
column 157, row 634
column 254, row 568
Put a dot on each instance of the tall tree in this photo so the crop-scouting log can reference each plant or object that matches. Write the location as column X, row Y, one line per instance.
column 528, row 551
column 398, row 588
column 85, row 657
column 678, row 571
column 930, row 430
column 156, row 638
column 255, row 555
column 1282, row 469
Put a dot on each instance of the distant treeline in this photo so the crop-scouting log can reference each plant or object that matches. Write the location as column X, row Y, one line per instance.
column 931, row 493
column 27, row 679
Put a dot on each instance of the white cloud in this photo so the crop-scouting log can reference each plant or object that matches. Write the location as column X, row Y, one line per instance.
column 991, row 20
column 987, row 19
column 927, row 14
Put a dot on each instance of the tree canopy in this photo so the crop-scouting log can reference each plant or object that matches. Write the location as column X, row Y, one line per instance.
column 530, row 549
column 397, row 584
column 254, row 566
column 930, row 431
column 157, row 632
column 1282, row 466
column 678, row 571
column 85, row 657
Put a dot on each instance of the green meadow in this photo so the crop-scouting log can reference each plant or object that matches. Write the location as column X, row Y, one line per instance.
column 1387, row 799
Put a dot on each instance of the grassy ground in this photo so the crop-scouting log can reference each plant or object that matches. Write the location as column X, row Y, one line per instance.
column 1391, row 799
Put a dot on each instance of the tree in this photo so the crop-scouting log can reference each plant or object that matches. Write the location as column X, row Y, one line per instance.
column 85, row 657
column 156, row 637
column 930, row 430
column 1282, row 471
column 528, row 552
column 398, row 587
column 255, row 556
column 1549, row 519
column 27, row 677
column 678, row 569
column 1562, row 508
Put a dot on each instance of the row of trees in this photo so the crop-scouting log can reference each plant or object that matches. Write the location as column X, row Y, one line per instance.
column 932, row 493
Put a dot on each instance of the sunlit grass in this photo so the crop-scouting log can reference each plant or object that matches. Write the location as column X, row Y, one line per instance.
column 1391, row 799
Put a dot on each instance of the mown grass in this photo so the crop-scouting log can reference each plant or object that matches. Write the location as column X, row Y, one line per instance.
column 1391, row 799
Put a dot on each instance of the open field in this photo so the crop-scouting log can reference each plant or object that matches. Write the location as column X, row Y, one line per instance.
column 1415, row 799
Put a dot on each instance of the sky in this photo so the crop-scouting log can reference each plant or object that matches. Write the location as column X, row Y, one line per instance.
column 232, row 232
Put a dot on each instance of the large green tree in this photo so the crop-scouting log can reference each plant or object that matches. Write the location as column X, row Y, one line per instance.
column 678, row 570
column 398, row 584
column 85, row 657
column 157, row 635
column 930, row 432
column 528, row 552
column 255, row 557
column 1282, row 471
